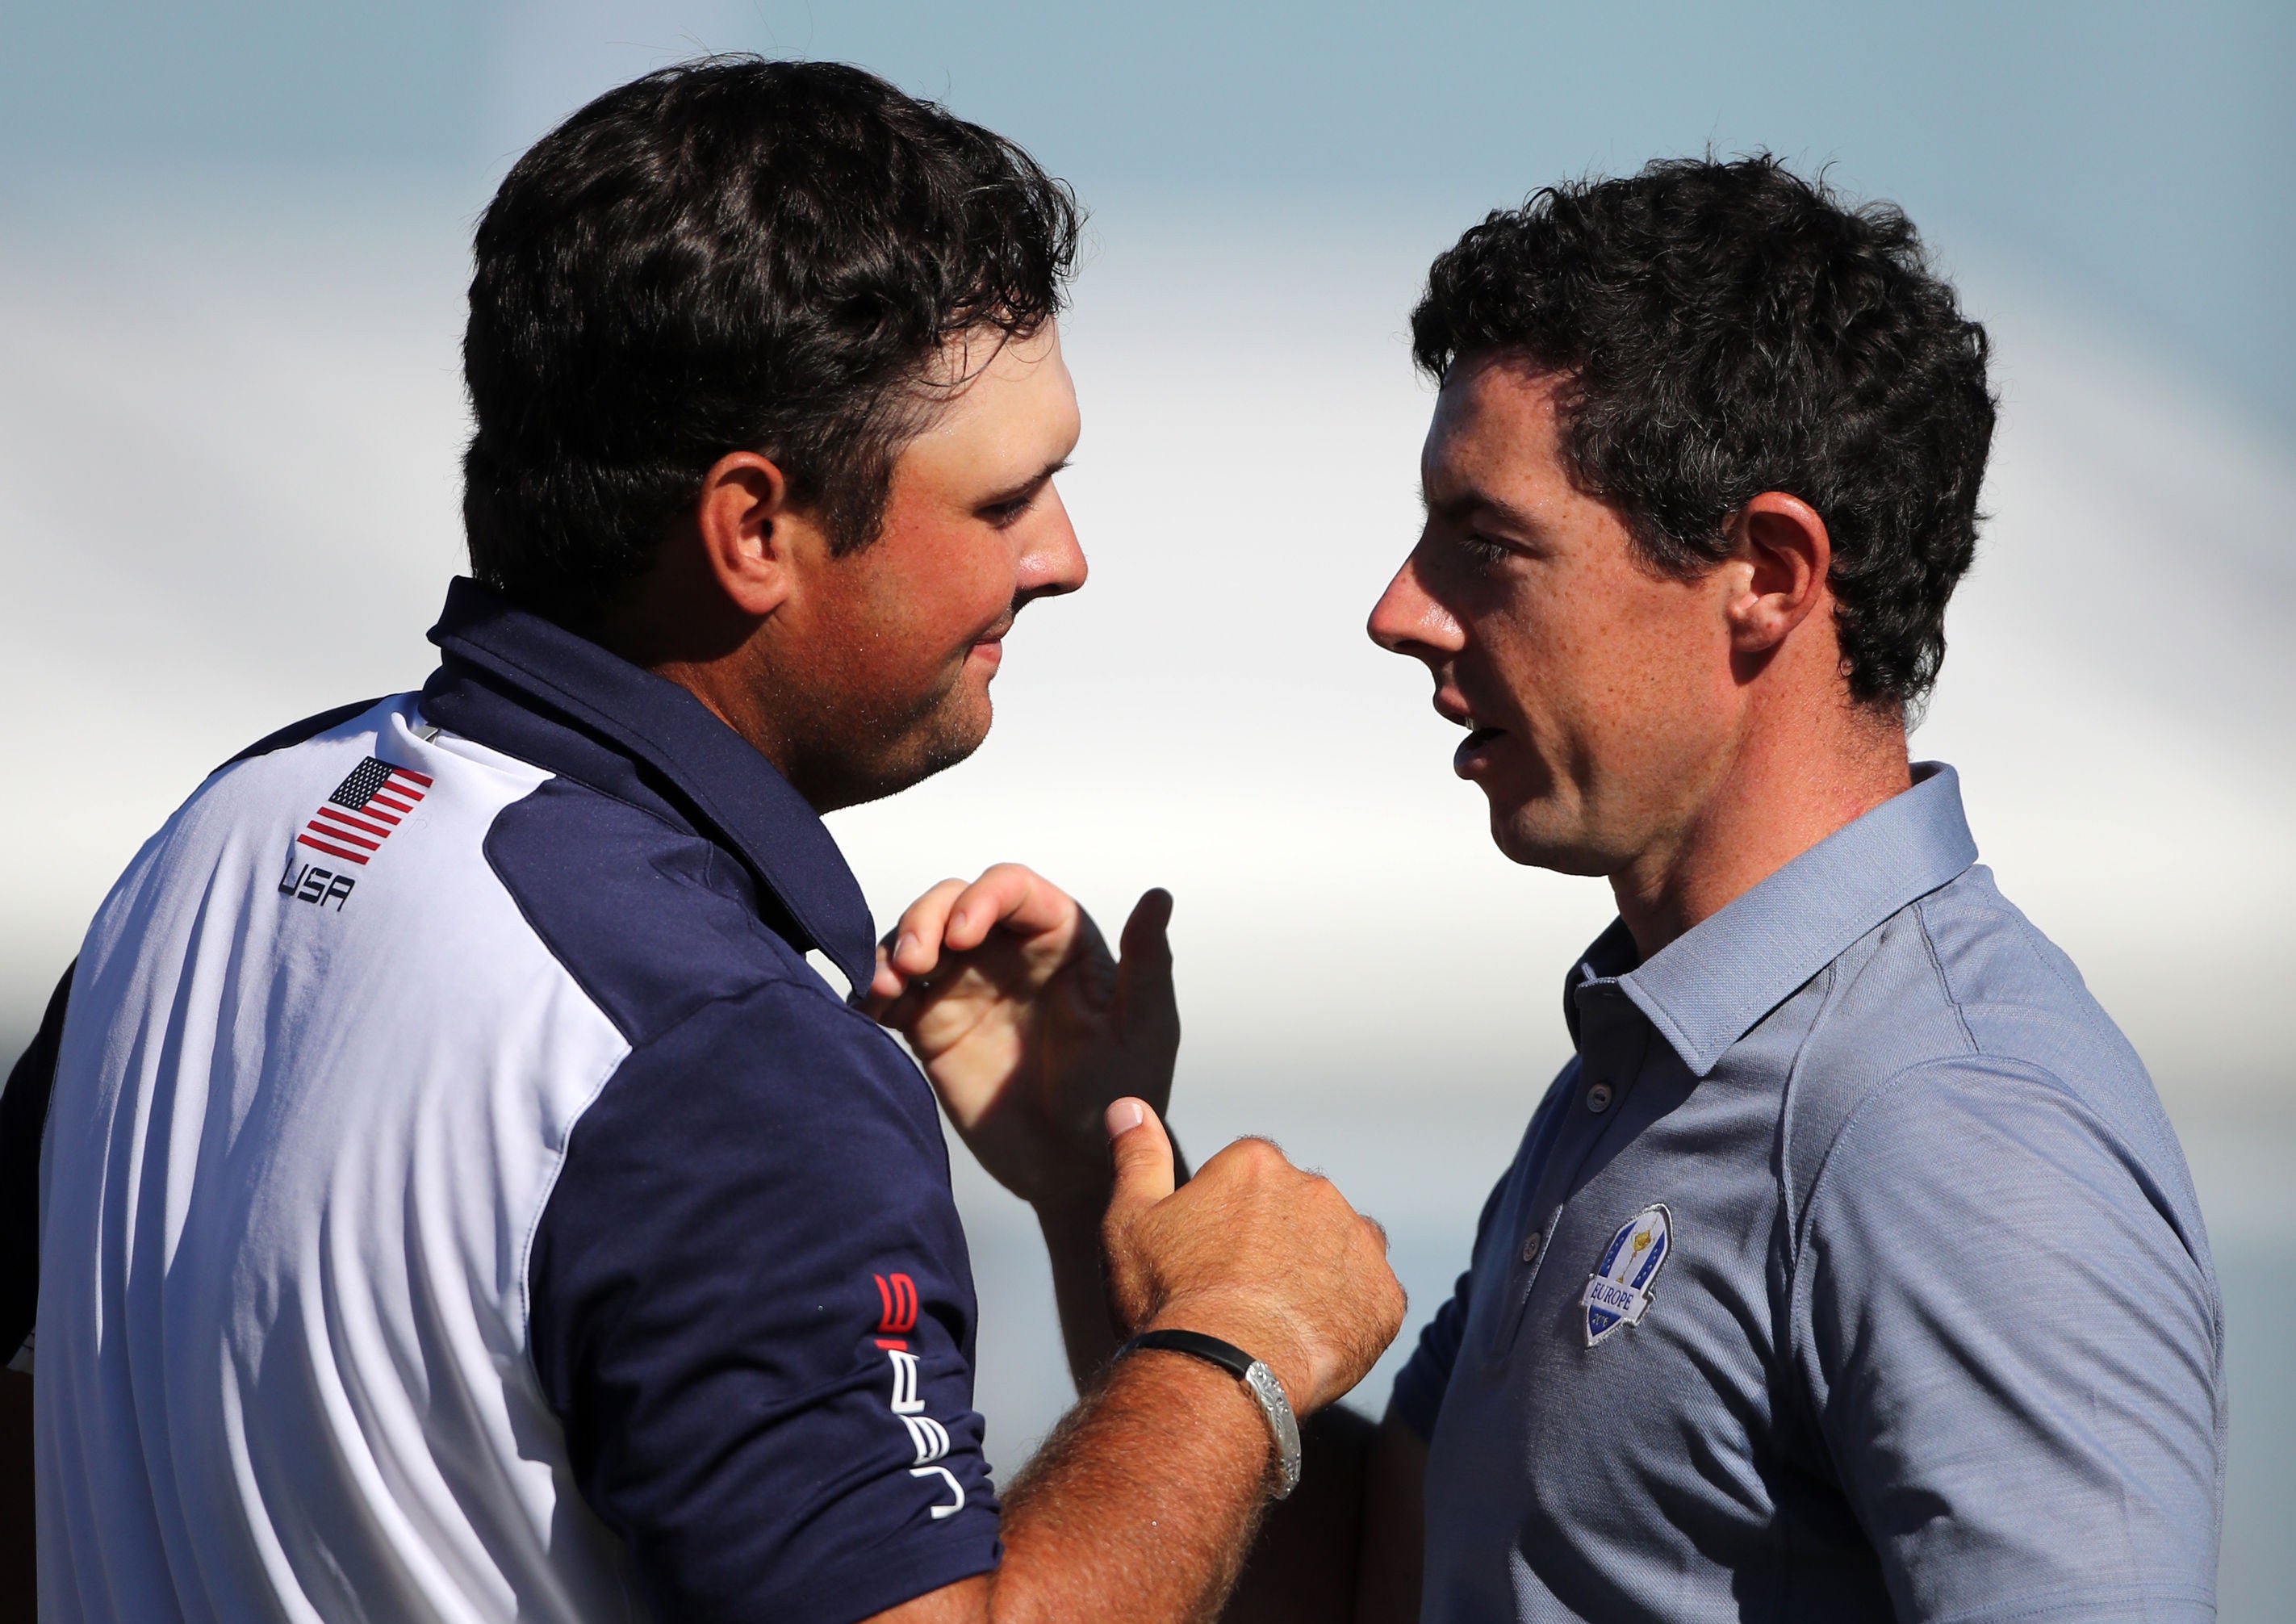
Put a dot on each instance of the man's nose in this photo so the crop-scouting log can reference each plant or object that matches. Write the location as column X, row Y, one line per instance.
column 1054, row 562
column 1408, row 620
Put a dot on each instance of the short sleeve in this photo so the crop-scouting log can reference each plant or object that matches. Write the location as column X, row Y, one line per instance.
column 2009, row 1345
column 753, row 1309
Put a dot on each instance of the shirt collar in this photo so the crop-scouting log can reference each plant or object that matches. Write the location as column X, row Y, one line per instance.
column 717, row 778
column 1713, row 984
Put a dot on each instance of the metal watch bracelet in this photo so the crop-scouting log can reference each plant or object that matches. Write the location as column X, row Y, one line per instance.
column 1258, row 1381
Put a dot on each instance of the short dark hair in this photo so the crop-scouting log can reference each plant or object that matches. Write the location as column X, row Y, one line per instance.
column 729, row 254
column 1728, row 328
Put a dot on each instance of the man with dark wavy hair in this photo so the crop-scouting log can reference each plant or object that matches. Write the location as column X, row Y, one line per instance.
column 1850, row 1269
column 463, row 1197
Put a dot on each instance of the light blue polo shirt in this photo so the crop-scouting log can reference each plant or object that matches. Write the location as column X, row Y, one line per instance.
column 1850, row 1271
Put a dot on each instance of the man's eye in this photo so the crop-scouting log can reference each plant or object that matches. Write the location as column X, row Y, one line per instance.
column 1482, row 549
column 1002, row 514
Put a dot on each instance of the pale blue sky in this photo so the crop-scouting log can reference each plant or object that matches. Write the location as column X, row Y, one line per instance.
column 2144, row 155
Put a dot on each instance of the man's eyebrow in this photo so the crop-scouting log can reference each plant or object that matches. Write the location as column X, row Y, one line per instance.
column 1026, row 488
column 1459, row 505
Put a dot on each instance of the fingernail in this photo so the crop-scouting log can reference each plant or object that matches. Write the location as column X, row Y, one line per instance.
column 1124, row 1116
column 959, row 919
column 908, row 941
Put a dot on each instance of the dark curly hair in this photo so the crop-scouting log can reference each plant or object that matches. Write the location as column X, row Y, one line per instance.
column 1728, row 328
column 729, row 254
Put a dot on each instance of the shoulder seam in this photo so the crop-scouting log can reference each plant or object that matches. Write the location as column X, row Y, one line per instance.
column 563, row 962
column 2147, row 1183
column 1945, row 983
column 1883, row 1090
column 684, row 831
column 1800, row 1234
column 1790, row 1094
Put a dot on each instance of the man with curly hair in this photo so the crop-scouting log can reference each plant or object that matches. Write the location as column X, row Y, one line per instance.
column 1850, row 1269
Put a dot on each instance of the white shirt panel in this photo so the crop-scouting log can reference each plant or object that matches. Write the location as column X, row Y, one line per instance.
column 312, row 1141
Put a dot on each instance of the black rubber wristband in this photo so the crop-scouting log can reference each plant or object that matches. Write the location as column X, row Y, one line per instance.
column 1227, row 1356
column 1261, row 1382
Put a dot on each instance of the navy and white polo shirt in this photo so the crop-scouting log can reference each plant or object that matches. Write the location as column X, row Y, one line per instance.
column 459, row 1198
column 1849, row 1272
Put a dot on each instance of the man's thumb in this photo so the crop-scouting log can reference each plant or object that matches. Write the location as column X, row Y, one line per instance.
column 1142, row 1154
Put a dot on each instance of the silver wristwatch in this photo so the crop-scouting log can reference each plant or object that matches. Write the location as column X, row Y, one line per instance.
column 1258, row 1381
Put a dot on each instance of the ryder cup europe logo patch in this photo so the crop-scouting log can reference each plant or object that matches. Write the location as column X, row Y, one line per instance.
column 1620, row 1289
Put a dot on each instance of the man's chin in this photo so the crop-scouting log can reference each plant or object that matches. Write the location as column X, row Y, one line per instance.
column 850, row 779
column 1537, row 837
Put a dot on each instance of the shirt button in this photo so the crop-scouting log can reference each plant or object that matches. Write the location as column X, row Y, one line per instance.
column 1598, row 1098
column 1530, row 1245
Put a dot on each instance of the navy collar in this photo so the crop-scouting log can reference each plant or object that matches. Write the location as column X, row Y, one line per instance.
column 1713, row 984
column 713, row 776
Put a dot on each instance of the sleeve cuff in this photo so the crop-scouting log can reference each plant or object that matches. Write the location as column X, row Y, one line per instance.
column 2153, row 1604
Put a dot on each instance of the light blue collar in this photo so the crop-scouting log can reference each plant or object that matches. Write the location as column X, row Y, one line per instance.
column 1713, row 984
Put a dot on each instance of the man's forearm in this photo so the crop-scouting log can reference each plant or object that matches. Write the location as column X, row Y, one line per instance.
column 1080, row 1287
column 1141, row 1504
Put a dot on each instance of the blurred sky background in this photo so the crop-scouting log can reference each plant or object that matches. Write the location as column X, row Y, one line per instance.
column 233, row 240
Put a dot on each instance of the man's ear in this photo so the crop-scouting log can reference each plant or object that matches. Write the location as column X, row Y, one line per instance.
column 1783, row 556
column 752, row 539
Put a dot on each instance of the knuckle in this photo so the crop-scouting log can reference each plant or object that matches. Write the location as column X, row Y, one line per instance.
column 1252, row 1155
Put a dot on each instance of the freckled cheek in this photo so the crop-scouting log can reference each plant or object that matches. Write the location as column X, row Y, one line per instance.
column 1539, row 651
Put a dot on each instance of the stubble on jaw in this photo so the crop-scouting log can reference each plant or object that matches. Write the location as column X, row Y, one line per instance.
column 830, row 768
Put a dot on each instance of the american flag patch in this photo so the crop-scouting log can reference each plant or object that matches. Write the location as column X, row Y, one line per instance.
column 353, row 822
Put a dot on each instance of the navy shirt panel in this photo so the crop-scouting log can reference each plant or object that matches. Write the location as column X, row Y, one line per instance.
column 652, row 920
column 751, row 1302
column 705, row 1298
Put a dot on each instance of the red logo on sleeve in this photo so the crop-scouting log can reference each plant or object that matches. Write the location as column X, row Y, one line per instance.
column 896, row 1300
column 897, row 1295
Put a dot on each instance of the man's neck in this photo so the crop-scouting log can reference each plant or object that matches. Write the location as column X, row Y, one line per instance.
column 1783, row 791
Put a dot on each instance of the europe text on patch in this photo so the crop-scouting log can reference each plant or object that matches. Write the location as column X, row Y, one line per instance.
column 1619, row 1290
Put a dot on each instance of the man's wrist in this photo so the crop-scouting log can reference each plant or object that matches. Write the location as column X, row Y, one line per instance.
column 1198, row 1401
column 1255, row 1378
column 1263, row 1337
